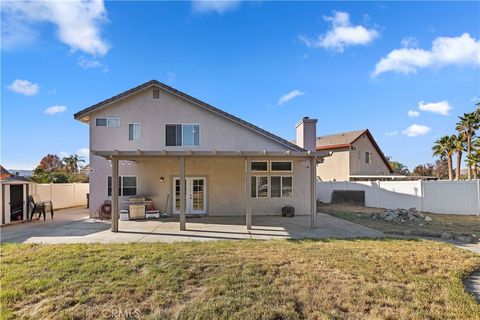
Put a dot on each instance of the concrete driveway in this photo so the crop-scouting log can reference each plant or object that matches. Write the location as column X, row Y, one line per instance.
column 74, row 226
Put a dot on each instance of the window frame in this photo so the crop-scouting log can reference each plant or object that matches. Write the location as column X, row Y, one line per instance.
column 120, row 185
column 257, row 178
column 281, row 185
column 182, row 139
column 106, row 122
column 133, row 134
column 275, row 171
column 257, row 161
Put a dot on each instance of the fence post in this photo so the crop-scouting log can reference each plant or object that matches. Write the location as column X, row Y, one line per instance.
column 74, row 202
column 378, row 194
column 478, row 197
column 422, row 195
column 51, row 192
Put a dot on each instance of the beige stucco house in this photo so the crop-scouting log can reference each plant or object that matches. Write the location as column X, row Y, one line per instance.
column 159, row 141
column 354, row 156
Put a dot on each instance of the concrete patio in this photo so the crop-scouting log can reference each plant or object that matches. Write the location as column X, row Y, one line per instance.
column 74, row 226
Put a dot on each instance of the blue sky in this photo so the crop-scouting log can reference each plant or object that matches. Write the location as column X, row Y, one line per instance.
column 351, row 65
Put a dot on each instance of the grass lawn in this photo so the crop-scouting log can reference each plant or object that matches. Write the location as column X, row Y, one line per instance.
column 453, row 224
column 362, row 279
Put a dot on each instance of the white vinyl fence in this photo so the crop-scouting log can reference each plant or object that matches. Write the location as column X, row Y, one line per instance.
column 63, row 195
column 445, row 197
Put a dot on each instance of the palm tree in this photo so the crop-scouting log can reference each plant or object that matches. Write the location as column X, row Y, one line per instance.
column 459, row 143
column 473, row 161
column 445, row 148
column 466, row 127
column 71, row 163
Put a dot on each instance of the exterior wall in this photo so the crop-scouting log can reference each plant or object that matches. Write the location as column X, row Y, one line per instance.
column 443, row 197
column 225, row 184
column 336, row 167
column 358, row 166
column 216, row 132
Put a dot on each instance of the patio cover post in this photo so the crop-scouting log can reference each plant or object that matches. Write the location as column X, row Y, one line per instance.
column 115, row 188
column 313, row 192
column 182, row 194
column 248, row 194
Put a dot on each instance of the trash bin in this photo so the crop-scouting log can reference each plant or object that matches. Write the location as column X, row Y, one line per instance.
column 88, row 200
column 288, row 211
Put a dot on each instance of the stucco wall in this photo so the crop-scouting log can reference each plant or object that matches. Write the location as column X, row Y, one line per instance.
column 358, row 166
column 216, row 132
column 336, row 166
column 225, row 184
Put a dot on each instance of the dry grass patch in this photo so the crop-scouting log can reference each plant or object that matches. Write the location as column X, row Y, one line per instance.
column 453, row 224
column 362, row 279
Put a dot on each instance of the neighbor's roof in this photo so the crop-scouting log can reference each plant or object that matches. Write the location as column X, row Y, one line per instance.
column 346, row 139
column 84, row 114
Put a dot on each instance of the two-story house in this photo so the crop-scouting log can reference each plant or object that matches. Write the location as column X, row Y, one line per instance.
column 156, row 141
column 355, row 155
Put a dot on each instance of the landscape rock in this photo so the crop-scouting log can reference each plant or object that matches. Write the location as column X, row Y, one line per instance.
column 402, row 216
column 446, row 235
column 468, row 239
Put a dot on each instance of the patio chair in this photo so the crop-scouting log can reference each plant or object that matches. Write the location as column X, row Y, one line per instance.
column 38, row 206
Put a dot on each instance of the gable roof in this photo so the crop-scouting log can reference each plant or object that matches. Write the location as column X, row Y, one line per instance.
column 83, row 115
column 346, row 139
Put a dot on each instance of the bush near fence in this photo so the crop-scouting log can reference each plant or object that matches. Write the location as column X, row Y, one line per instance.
column 444, row 197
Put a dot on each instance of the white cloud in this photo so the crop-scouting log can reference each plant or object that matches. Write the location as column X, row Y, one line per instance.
column 63, row 154
column 24, row 87
column 55, row 109
column 220, row 7
column 409, row 42
column 442, row 107
column 289, row 96
column 413, row 113
column 416, row 130
column 475, row 99
column 84, row 152
column 463, row 50
column 391, row 133
column 342, row 34
column 78, row 23
column 91, row 64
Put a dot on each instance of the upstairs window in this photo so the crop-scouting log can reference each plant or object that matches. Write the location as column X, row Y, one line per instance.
column 156, row 94
column 107, row 122
column 133, row 131
column 182, row 135
column 368, row 157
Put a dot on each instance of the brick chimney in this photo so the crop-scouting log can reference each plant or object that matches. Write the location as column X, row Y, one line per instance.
column 307, row 134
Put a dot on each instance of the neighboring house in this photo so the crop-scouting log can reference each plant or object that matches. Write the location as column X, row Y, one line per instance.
column 354, row 156
column 153, row 135
column 5, row 174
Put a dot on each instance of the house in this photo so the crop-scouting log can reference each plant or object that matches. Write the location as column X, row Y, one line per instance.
column 5, row 174
column 156, row 141
column 354, row 156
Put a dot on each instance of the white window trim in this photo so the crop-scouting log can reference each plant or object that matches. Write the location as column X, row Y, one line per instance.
column 256, row 186
column 275, row 171
column 121, row 185
column 106, row 118
column 281, row 185
column 185, row 124
column 138, row 131
column 254, row 161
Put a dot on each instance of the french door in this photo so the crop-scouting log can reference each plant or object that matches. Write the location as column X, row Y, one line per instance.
column 195, row 195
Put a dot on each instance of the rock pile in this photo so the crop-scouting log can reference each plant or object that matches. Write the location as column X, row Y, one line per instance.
column 402, row 216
